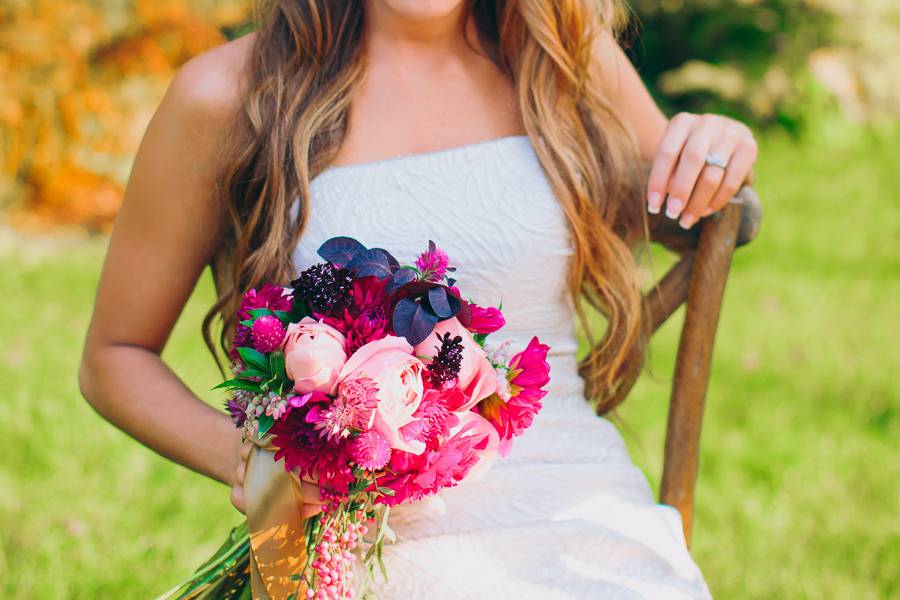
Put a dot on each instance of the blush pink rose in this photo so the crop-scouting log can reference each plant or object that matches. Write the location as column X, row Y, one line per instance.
column 390, row 363
column 313, row 356
column 476, row 374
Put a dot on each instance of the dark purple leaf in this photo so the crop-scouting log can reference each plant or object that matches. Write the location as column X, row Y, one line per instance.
column 413, row 320
column 340, row 250
column 392, row 262
column 371, row 262
column 437, row 299
column 401, row 276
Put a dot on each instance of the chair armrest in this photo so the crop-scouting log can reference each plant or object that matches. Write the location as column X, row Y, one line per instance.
column 668, row 233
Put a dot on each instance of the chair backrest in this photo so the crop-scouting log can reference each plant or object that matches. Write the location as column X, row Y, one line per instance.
column 698, row 279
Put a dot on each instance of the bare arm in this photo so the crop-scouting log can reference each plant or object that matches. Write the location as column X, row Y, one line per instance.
column 678, row 148
column 166, row 233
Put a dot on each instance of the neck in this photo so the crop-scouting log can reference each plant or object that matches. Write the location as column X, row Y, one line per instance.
column 389, row 33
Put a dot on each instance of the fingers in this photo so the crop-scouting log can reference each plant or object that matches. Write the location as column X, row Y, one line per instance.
column 740, row 170
column 680, row 176
column 690, row 164
column 245, row 450
column 666, row 158
column 710, row 178
column 237, row 497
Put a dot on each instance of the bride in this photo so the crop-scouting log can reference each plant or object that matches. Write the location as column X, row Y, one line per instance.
column 511, row 132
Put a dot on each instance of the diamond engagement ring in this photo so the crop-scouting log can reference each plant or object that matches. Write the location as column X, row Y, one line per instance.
column 715, row 161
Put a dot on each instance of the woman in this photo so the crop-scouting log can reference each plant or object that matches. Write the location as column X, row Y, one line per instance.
column 509, row 131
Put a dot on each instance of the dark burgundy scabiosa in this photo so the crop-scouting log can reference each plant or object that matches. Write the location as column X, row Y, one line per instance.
column 444, row 366
column 325, row 288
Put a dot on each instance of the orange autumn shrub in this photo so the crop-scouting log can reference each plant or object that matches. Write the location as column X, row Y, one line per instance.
column 79, row 81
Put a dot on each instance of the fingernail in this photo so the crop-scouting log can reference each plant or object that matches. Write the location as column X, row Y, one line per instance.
column 654, row 203
column 673, row 207
column 687, row 221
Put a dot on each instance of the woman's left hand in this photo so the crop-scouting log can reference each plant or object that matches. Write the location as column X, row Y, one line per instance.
column 682, row 175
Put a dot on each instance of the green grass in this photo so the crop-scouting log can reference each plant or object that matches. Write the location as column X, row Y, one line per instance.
column 797, row 496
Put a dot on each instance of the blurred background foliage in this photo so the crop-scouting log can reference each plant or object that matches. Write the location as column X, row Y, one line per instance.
column 798, row 486
column 79, row 79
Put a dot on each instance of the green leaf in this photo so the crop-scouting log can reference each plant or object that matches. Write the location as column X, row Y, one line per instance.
column 264, row 424
column 386, row 491
column 254, row 358
column 247, row 322
column 238, row 384
column 283, row 316
column 246, row 373
column 276, row 363
column 261, row 312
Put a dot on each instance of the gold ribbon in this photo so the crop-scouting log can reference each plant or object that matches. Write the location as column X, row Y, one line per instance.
column 273, row 499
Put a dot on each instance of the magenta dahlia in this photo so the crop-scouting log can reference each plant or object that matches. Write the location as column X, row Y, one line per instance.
column 413, row 477
column 309, row 454
column 528, row 371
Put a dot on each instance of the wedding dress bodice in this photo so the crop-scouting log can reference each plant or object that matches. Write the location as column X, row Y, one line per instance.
column 566, row 515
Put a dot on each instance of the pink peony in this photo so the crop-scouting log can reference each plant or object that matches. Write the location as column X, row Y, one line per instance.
column 413, row 477
column 353, row 409
column 371, row 450
column 398, row 374
column 476, row 374
column 267, row 334
column 313, row 356
column 528, row 372
column 485, row 320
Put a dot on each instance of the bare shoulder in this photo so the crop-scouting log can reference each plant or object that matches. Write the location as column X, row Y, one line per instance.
column 207, row 87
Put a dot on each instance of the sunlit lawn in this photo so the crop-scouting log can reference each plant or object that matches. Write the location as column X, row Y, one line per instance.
column 797, row 496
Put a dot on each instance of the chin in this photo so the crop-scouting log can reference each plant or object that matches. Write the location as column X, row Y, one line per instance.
column 422, row 9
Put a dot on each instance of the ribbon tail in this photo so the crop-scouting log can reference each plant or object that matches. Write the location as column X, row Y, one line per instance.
column 273, row 499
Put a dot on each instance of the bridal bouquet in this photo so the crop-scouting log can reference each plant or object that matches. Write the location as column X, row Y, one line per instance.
column 377, row 381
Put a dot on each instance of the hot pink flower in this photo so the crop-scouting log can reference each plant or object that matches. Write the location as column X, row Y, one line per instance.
column 413, row 477
column 353, row 409
column 433, row 263
column 434, row 418
column 267, row 333
column 485, row 320
column 398, row 374
column 268, row 296
column 476, row 374
column 365, row 319
column 306, row 452
column 528, row 372
column 371, row 450
column 313, row 356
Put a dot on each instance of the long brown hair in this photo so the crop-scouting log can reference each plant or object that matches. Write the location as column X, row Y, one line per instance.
column 305, row 64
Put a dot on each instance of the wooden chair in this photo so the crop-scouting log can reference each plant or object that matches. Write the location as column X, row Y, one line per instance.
column 698, row 279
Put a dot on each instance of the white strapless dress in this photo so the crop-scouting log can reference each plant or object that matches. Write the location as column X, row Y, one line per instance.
column 566, row 514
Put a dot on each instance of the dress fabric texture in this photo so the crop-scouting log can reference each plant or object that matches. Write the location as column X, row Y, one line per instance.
column 566, row 515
